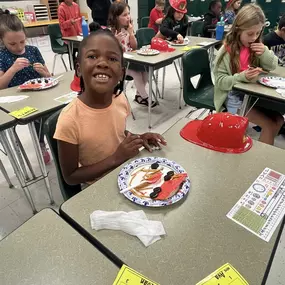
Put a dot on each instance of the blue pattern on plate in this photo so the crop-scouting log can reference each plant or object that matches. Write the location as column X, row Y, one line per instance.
column 125, row 172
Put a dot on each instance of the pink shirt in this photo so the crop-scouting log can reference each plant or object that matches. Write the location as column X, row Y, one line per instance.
column 244, row 59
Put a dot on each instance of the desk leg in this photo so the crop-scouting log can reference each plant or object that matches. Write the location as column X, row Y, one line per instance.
column 244, row 106
column 150, row 75
column 37, row 148
column 181, row 85
column 5, row 174
column 70, row 51
column 17, row 169
column 163, row 81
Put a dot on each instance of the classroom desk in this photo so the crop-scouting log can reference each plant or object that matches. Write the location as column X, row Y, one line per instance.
column 199, row 237
column 258, row 90
column 44, row 101
column 152, row 62
column 226, row 30
column 40, row 23
column 46, row 250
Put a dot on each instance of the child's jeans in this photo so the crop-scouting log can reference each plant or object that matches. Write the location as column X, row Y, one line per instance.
column 234, row 101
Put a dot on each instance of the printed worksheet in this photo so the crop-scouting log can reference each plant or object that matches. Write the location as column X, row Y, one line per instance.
column 67, row 98
column 262, row 206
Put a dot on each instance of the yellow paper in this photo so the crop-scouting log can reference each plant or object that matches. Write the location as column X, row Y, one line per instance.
column 225, row 275
column 21, row 113
column 128, row 276
column 189, row 48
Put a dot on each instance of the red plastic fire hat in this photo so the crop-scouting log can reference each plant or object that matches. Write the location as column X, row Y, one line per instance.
column 75, row 84
column 222, row 132
column 161, row 45
column 179, row 5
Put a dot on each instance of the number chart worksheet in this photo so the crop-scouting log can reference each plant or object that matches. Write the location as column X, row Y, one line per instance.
column 262, row 206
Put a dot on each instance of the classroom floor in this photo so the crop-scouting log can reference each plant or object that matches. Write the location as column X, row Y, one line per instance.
column 14, row 209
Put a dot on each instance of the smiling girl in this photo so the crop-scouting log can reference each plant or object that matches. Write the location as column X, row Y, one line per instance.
column 91, row 130
column 241, row 59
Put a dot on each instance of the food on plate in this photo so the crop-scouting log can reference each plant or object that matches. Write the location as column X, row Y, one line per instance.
column 172, row 186
column 37, row 83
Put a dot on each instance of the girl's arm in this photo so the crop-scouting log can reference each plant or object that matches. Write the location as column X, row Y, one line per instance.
column 63, row 22
column 166, row 29
column 268, row 60
column 69, row 160
column 133, row 41
column 6, row 77
column 39, row 65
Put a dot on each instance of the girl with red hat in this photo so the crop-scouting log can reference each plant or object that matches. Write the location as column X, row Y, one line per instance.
column 175, row 24
column 231, row 10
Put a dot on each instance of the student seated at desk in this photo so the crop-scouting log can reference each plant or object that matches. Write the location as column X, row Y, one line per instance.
column 91, row 130
column 156, row 15
column 241, row 59
column 174, row 25
column 231, row 10
column 19, row 62
column 212, row 17
column 275, row 41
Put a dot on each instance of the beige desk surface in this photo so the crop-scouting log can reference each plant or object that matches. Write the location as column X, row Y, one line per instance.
column 6, row 121
column 43, row 100
column 163, row 56
column 47, row 250
column 200, row 238
column 263, row 91
column 40, row 23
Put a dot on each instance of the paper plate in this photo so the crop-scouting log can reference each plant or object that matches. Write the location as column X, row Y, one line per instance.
column 39, row 84
column 147, row 52
column 186, row 42
column 126, row 177
column 272, row 81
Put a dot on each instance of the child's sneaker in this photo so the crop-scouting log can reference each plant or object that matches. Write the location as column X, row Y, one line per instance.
column 45, row 153
column 144, row 101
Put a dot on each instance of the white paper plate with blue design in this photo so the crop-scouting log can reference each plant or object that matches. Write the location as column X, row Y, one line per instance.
column 132, row 173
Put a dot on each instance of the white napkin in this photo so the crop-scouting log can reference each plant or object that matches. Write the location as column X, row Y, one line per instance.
column 11, row 99
column 134, row 223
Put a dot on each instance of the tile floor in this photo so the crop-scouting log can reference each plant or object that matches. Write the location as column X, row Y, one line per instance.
column 14, row 209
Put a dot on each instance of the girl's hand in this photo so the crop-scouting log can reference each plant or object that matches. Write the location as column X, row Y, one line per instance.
column 252, row 73
column 41, row 69
column 258, row 48
column 120, row 36
column 180, row 39
column 128, row 148
column 19, row 64
column 152, row 139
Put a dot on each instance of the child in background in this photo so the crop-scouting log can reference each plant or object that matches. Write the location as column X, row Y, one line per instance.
column 156, row 15
column 212, row 17
column 19, row 62
column 275, row 41
column 91, row 129
column 231, row 10
column 69, row 18
column 241, row 59
column 174, row 25
column 121, row 26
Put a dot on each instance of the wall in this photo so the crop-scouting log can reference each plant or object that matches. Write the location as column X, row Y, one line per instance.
column 85, row 9
column 18, row 4
column 134, row 12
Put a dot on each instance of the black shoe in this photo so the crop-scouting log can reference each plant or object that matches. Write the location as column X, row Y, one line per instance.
column 144, row 101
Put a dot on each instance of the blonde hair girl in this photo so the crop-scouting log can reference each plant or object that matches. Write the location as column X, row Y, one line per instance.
column 241, row 59
column 231, row 10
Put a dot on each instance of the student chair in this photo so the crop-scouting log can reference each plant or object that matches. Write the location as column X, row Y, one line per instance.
column 196, row 62
column 144, row 22
column 197, row 28
column 57, row 44
column 67, row 191
column 144, row 36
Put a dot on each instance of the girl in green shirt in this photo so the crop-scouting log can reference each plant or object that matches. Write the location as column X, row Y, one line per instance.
column 241, row 59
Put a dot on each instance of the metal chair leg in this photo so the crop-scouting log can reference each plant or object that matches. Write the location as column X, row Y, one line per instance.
column 61, row 56
column 18, row 153
column 24, row 153
column 177, row 72
column 5, row 174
